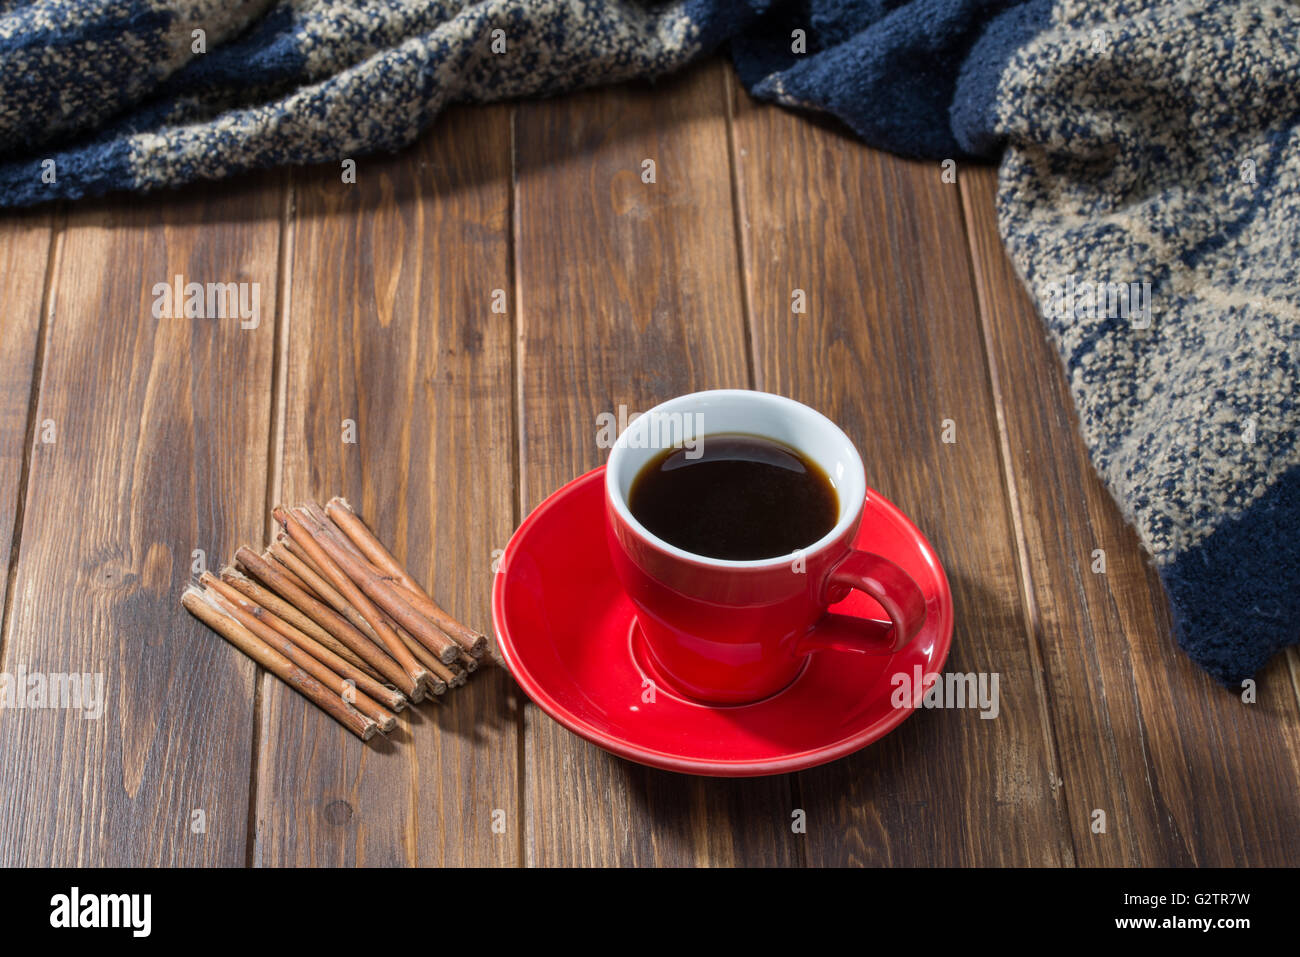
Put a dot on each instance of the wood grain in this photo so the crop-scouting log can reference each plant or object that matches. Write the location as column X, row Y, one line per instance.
column 1186, row 773
column 26, row 243
column 150, row 422
column 889, row 348
column 628, row 295
column 391, row 326
column 377, row 306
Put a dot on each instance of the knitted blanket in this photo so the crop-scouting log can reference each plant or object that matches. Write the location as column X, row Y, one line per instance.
column 1149, row 186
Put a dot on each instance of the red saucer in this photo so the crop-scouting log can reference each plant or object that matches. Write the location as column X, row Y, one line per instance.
column 568, row 634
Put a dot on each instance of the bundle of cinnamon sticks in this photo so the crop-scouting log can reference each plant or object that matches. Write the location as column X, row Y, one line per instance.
column 328, row 610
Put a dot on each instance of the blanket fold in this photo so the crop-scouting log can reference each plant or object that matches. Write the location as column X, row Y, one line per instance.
column 1149, row 187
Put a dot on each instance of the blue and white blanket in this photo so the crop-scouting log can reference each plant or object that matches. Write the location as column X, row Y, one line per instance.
column 1149, row 190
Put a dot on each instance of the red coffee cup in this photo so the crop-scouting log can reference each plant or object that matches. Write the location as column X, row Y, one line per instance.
column 732, row 632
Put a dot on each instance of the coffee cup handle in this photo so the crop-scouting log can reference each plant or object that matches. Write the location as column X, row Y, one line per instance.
column 889, row 585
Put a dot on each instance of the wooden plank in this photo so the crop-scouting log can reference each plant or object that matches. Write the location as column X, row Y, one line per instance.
column 26, row 240
column 628, row 295
column 1186, row 773
column 149, row 445
column 391, row 326
column 889, row 347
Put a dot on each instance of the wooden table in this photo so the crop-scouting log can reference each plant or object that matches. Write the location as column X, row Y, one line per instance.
column 470, row 306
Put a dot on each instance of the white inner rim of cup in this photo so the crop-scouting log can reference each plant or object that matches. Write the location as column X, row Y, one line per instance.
column 691, row 418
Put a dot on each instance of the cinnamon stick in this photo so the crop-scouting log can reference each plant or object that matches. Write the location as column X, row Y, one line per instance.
column 437, row 644
column 368, row 579
column 331, row 679
column 446, row 677
column 373, row 549
column 291, row 555
column 324, row 558
column 390, row 698
column 292, row 616
column 331, row 621
column 202, row 606
column 287, row 572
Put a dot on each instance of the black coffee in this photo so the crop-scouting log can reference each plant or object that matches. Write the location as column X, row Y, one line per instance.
column 743, row 497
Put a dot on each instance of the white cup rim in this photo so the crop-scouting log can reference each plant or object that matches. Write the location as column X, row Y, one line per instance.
column 854, row 480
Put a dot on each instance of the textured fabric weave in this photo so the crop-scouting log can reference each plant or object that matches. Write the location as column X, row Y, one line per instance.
column 1159, row 144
